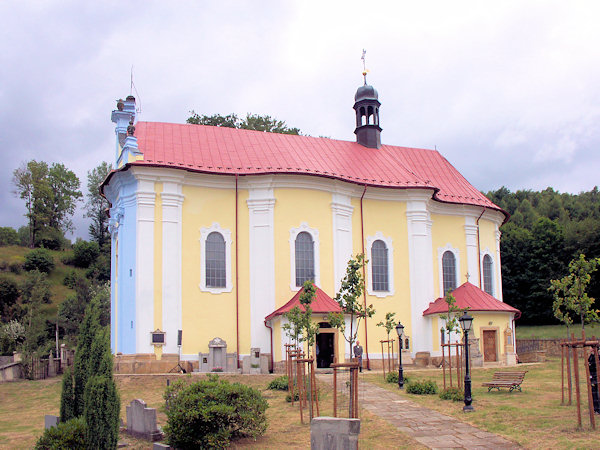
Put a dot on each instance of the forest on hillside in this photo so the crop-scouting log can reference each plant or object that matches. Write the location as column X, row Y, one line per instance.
column 545, row 231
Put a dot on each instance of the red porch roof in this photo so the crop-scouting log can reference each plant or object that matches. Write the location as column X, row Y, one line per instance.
column 220, row 150
column 321, row 304
column 469, row 295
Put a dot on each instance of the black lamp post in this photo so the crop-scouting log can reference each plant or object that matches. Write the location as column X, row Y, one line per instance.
column 400, row 331
column 466, row 321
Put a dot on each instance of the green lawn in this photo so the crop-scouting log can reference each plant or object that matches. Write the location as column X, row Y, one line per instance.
column 555, row 331
column 23, row 405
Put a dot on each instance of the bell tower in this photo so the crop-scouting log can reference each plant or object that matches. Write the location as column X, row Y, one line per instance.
column 366, row 106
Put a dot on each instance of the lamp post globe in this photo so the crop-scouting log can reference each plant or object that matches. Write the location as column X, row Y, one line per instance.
column 400, row 331
column 466, row 321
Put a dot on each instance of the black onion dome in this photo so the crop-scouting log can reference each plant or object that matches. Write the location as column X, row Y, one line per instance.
column 366, row 92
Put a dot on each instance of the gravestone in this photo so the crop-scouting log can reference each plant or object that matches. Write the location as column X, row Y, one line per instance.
column 51, row 366
column 255, row 360
column 331, row 433
column 232, row 362
column 141, row 421
column 217, row 354
column 422, row 359
column 203, row 362
column 51, row 421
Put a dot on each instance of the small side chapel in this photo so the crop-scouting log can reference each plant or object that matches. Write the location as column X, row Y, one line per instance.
column 214, row 231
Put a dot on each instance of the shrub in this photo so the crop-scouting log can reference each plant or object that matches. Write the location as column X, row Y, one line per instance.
column 101, row 412
column 425, row 387
column 452, row 393
column 279, row 384
column 288, row 397
column 9, row 292
column 67, row 435
column 51, row 239
column 39, row 259
column 70, row 279
column 212, row 412
column 15, row 267
column 8, row 236
column 85, row 253
column 392, row 377
column 100, row 269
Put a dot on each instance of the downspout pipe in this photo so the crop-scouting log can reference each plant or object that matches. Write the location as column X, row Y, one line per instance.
column 272, row 363
column 362, row 240
column 237, row 278
column 479, row 249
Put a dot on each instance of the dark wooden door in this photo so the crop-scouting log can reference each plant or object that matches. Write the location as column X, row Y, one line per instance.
column 489, row 345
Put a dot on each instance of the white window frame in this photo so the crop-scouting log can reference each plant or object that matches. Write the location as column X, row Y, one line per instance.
column 204, row 232
column 456, row 252
column 485, row 253
column 314, row 233
column 390, row 248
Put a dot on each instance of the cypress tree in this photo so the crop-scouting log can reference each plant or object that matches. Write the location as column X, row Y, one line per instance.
column 101, row 413
column 81, row 367
column 101, row 398
column 66, row 397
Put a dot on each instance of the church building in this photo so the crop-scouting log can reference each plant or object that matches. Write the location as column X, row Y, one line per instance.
column 214, row 231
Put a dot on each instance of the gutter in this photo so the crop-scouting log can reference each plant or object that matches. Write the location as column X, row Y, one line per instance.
column 272, row 363
column 237, row 279
column 362, row 240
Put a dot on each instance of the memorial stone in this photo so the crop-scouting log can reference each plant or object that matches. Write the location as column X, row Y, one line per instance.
column 141, row 421
column 51, row 421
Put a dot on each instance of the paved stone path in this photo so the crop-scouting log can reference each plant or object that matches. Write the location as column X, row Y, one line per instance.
column 430, row 428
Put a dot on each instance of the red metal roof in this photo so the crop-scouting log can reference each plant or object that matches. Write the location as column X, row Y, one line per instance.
column 322, row 303
column 469, row 295
column 221, row 150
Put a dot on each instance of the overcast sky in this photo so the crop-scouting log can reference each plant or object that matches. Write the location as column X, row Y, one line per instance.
column 507, row 91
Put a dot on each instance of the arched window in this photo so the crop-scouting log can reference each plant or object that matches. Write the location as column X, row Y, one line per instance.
column 379, row 260
column 305, row 258
column 216, row 275
column 488, row 277
column 449, row 271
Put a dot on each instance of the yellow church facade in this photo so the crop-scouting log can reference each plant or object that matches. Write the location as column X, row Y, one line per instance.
column 214, row 229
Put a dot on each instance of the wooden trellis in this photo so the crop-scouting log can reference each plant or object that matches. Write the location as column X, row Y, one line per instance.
column 390, row 360
column 305, row 396
column 339, row 385
column 459, row 361
column 575, row 346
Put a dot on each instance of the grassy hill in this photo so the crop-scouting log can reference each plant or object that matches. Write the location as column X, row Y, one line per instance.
column 16, row 254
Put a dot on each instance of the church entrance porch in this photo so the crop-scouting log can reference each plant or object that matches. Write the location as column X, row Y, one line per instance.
column 325, row 348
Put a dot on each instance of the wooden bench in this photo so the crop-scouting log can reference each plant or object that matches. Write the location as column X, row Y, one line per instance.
column 511, row 380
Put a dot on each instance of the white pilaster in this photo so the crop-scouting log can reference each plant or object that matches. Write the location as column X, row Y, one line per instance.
column 472, row 251
column 498, row 267
column 172, row 202
column 145, row 199
column 261, row 203
column 420, row 255
column 341, row 210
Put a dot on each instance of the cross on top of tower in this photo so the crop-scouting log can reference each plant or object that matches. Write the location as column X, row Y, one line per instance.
column 364, row 61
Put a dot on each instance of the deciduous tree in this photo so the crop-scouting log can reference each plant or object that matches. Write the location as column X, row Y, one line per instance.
column 570, row 292
column 251, row 122
column 96, row 204
column 348, row 297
